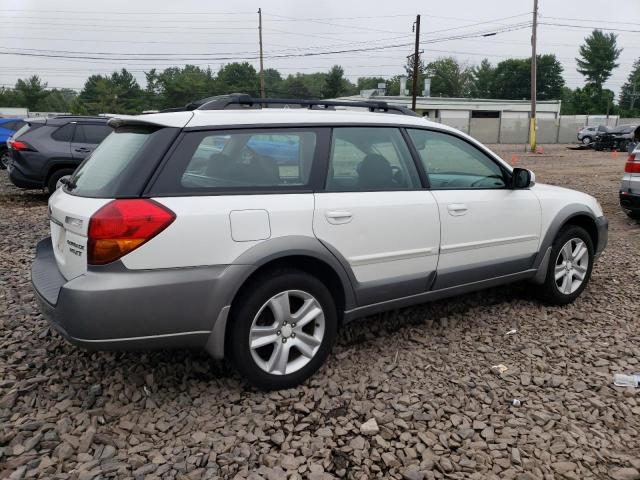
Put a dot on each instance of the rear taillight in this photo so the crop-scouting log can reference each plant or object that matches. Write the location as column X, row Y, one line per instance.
column 19, row 145
column 632, row 165
column 121, row 226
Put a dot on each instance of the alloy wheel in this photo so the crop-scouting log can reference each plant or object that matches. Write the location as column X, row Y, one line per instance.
column 287, row 332
column 572, row 265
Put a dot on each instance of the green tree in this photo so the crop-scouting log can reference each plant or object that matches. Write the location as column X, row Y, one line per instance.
column 598, row 57
column 335, row 84
column 393, row 85
column 129, row 97
column 483, row 77
column 175, row 86
column 630, row 92
column 449, row 78
column 296, row 87
column 589, row 100
column 512, row 78
column 273, row 83
column 57, row 100
column 238, row 78
column 30, row 91
column 368, row 83
column 422, row 69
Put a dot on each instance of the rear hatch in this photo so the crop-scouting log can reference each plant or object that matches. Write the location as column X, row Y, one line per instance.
column 118, row 168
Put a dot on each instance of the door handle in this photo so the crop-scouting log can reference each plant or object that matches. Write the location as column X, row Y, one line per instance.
column 457, row 209
column 83, row 149
column 338, row 217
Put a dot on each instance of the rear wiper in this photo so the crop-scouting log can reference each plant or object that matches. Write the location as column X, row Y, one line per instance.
column 69, row 183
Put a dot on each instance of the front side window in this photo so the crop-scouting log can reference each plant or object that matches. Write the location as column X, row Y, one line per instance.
column 370, row 159
column 220, row 160
column 451, row 163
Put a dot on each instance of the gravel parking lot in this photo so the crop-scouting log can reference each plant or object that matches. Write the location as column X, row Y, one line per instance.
column 409, row 394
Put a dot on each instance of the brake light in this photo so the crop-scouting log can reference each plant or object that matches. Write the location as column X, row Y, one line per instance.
column 121, row 226
column 632, row 165
column 18, row 145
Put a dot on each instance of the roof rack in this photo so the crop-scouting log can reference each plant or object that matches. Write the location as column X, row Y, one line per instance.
column 242, row 100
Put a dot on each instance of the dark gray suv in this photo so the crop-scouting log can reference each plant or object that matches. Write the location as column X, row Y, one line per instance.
column 46, row 150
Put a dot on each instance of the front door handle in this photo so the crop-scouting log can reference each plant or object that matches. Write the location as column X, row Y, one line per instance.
column 338, row 217
column 83, row 149
column 457, row 209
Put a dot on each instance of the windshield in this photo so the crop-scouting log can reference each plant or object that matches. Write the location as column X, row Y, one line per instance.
column 101, row 173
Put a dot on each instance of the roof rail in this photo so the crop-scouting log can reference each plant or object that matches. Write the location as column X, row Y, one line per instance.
column 242, row 100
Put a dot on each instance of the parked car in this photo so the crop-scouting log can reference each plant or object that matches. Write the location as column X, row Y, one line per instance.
column 8, row 126
column 586, row 135
column 630, row 186
column 262, row 261
column 46, row 150
column 618, row 138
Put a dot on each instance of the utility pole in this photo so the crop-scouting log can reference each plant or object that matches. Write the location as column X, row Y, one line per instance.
column 416, row 64
column 262, row 95
column 534, row 71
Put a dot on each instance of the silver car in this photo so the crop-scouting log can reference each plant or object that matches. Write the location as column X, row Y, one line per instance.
column 630, row 187
column 588, row 134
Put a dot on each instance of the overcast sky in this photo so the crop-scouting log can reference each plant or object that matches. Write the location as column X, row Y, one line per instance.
column 214, row 32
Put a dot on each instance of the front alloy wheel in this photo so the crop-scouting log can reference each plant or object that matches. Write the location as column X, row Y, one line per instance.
column 571, row 266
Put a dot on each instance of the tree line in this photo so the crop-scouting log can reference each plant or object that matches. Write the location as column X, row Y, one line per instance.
column 120, row 92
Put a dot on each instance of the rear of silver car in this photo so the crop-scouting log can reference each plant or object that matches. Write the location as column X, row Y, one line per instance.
column 630, row 186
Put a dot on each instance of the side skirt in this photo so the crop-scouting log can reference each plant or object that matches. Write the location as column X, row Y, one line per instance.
column 436, row 295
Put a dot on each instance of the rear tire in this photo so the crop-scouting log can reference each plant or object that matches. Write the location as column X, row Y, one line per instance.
column 55, row 178
column 265, row 341
column 570, row 265
column 4, row 158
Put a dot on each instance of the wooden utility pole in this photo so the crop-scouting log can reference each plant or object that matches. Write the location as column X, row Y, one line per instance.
column 262, row 95
column 534, row 71
column 416, row 64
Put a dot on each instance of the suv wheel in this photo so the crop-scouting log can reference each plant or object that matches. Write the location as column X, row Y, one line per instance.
column 54, row 180
column 282, row 330
column 4, row 158
column 586, row 140
column 570, row 267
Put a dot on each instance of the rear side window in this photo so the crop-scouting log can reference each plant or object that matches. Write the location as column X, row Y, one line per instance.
column 242, row 160
column 102, row 172
column 91, row 133
column 370, row 159
column 64, row 133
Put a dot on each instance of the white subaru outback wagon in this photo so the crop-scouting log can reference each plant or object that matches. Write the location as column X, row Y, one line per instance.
column 256, row 233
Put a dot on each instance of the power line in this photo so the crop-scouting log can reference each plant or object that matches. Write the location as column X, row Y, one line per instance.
column 566, row 25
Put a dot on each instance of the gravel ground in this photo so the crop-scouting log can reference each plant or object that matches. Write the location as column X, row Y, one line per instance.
column 408, row 394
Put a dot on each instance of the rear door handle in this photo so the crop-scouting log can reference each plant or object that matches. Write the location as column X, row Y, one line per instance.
column 83, row 149
column 338, row 217
column 457, row 209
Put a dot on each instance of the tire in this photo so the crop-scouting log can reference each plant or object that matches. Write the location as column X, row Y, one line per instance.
column 257, row 306
column 56, row 176
column 4, row 158
column 586, row 140
column 566, row 289
column 635, row 214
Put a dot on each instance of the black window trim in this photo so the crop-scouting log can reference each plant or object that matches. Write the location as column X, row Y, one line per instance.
column 170, row 167
column 486, row 152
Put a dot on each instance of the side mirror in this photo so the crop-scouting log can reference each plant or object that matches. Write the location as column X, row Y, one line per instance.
column 522, row 178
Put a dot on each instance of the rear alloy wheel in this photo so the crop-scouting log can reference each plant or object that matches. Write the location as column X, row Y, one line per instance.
column 55, row 180
column 570, row 267
column 4, row 159
column 282, row 330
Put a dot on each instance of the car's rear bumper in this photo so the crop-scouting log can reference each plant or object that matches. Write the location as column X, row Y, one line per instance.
column 20, row 179
column 630, row 201
column 602, row 225
column 112, row 308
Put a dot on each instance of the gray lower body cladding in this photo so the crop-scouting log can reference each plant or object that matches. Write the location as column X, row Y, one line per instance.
column 112, row 308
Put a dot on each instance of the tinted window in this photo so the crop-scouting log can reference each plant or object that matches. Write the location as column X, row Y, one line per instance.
column 64, row 133
column 368, row 158
column 102, row 170
column 245, row 159
column 8, row 125
column 452, row 163
column 91, row 133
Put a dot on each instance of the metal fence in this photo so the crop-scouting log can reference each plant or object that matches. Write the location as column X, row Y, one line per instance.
column 513, row 127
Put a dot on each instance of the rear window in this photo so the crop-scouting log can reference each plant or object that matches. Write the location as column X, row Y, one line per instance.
column 247, row 160
column 91, row 133
column 101, row 173
column 64, row 133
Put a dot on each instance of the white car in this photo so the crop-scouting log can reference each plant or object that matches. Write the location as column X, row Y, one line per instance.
column 256, row 233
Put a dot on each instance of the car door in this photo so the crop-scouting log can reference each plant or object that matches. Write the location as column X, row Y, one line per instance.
column 86, row 138
column 375, row 216
column 488, row 229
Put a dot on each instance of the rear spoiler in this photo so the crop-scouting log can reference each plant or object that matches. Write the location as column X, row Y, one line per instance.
column 151, row 119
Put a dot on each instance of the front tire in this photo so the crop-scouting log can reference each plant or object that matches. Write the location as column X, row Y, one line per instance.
column 586, row 140
column 282, row 328
column 570, row 265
